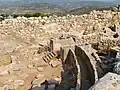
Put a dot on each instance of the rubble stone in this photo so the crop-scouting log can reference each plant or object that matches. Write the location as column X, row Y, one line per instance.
column 37, row 82
column 42, row 87
column 39, row 76
column 117, row 68
column 110, row 81
column 19, row 82
column 5, row 60
column 40, row 69
column 4, row 72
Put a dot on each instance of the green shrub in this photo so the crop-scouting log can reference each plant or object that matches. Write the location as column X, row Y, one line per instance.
column 15, row 15
column 27, row 15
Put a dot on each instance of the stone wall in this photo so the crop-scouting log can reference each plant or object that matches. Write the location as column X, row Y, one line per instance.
column 70, row 76
column 87, row 70
column 78, row 70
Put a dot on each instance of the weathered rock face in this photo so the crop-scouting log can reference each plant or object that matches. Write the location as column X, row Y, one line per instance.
column 110, row 81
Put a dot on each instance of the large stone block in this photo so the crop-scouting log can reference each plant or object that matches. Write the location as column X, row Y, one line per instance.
column 110, row 81
column 5, row 60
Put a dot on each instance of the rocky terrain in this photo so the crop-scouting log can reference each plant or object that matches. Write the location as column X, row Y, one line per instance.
column 24, row 41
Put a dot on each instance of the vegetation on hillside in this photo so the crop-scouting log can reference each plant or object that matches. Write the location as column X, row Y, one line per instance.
column 27, row 15
column 78, row 11
column 87, row 9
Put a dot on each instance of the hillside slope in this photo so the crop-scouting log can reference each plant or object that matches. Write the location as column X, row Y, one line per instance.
column 87, row 9
column 51, row 6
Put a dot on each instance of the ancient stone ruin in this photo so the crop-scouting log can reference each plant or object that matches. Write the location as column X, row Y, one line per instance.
column 72, row 52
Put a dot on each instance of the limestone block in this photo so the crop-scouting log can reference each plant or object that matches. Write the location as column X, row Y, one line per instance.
column 5, row 60
column 110, row 81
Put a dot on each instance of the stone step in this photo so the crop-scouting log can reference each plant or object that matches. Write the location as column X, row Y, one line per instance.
column 49, row 56
column 51, row 59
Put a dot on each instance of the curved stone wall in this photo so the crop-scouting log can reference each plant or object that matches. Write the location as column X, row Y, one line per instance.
column 78, row 72
column 87, row 70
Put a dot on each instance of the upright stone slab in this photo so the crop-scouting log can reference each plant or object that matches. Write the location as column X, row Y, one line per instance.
column 62, row 54
column 51, row 45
